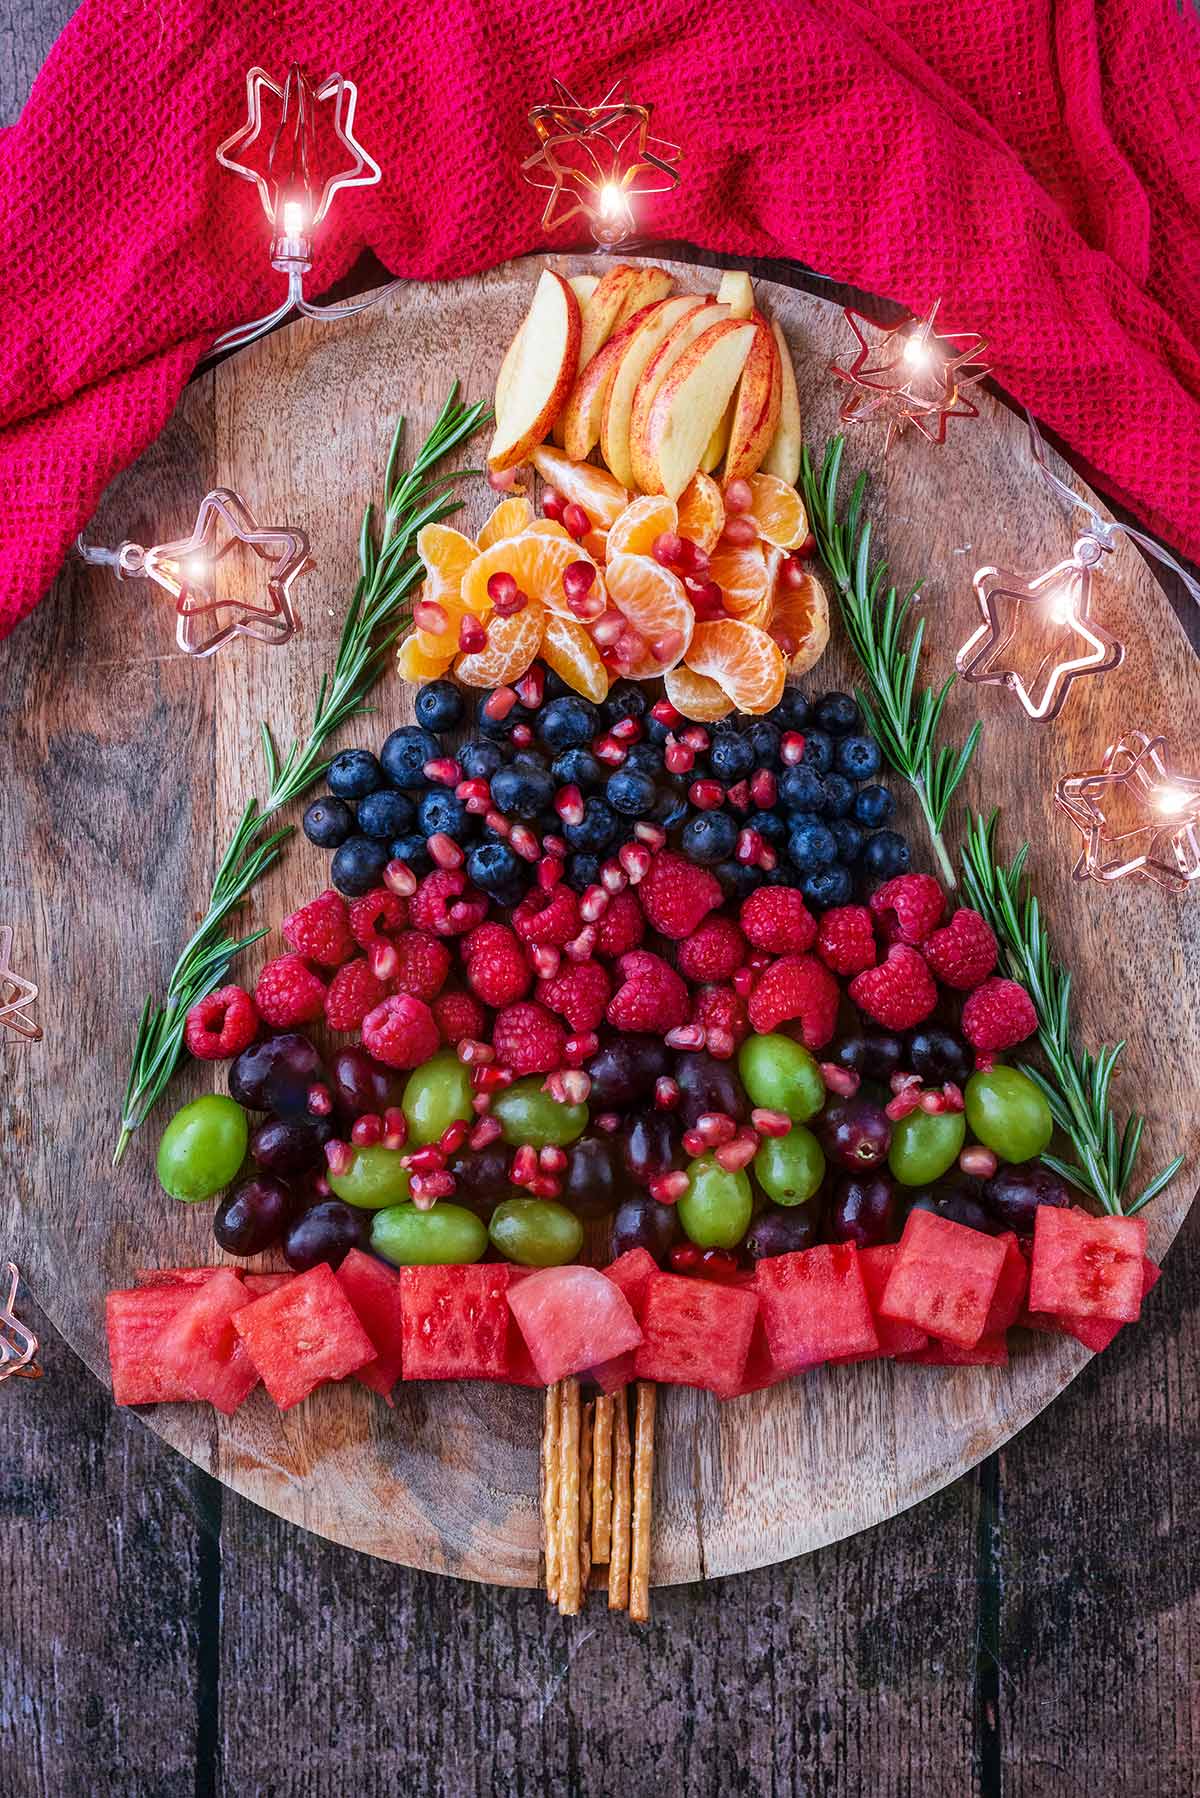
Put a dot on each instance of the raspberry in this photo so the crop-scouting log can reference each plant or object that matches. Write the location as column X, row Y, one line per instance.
column 353, row 992
column 846, row 939
column 908, row 908
column 797, row 986
column 287, row 992
column 320, row 931
column 998, row 1015
column 651, row 998
column 720, row 1009
column 776, row 918
column 222, row 1025
column 579, row 993
column 377, row 917
column 899, row 992
column 963, row 952
column 621, row 925
column 713, row 952
column 459, row 1016
column 548, row 918
column 495, row 965
column 400, row 1032
column 528, row 1039
column 424, row 964
column 447, row 904
column 675, row 895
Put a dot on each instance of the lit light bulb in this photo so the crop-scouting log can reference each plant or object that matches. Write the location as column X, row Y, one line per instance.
column 611, row 200
column 195, row 568
column 917, row 352
column 1058, row 604
column 1173, row 799
column 293, row 218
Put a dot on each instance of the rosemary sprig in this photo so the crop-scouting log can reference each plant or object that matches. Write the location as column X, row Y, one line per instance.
column 1077, row 1087
column 903, row 719
column 377, row 614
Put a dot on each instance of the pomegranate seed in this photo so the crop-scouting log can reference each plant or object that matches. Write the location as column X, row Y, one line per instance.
column 444, row 850
column 395, row 1128
column 843, row 1081
column 502, row 480
column 524, row 1165
column 630, row 646
column 594, row 903
column 696, row 737
column 667, row 649
column 485, row 1131
column 339, row 1158
column 544, row 1187
column 791, row 748
column 743, row 980
column 453, row 1136
column 714, row 1127
column 653, row 835
column 770, row 1123
column 546, row 959
column 749, row 847
column 607, row 629
column 738, row 1154
column 523, row 841
column 321, row 1187
column 471, row 1052
column 481, row 1104
column 678, row 757
column 555, row 846
column 663, row 712
column 499, row 703
column 692, row 1142
column 627, row 730
column 685, row 1036
column 476, row 795
column 613, row 877
column 685, row 1257
column 497, row 823
column 739, row 496
column 366, row 1130
column 953, row 1097
column 635, row 858
column 552, row 1160
column 900, row 1081
column 708, row 601
column 443, row 771
column 739, row 796
column 583, row 946
column 791, row 575
column 587, row 607
column 491, row 1078
column 549, row 872
column 666, row 1093
column 933, row 1104
column 384, row 960
column 718, row 1264
column 694, row 559
column 788, row 642
column 740, row 531
column 580, row 1048
column 427, row 1160
column 902, row 1104
column 429, row 616
column 808, row 548
column 763, row 789
column 426, row 1189
column 706, row 795
column 399, row 878
column 531, row 687
column 575, row 519
column 977, row 1161
column 767, row 858
column 608, row 1121
column 319, row 1100
column 522, row 736
column 668, row 549
column 608, row 750
column 511, row 604
column 719, row 1043
column 570, row 1086
column 552, row 503
column 668, row 1189
column 472, row 638
column 578, row 579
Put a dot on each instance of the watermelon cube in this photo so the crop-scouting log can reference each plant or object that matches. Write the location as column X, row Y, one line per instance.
column 990, row 1351
column 815, row 1306
column 696, row 1333
column 135, row 1320
column 895, row 1339
column 260, row 1284
column 303, row 1334
column 1087, row 1267
column 761, row 1369
column 572, row 1318
column 944, row 1279
column 631, row 1272
column 1008, row 1300
column 374, row 1292
column 200, row 1346
column 1095, row 1333
column 456, row 1322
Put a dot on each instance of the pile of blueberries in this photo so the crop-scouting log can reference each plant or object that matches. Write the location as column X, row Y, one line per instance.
column 827, row 825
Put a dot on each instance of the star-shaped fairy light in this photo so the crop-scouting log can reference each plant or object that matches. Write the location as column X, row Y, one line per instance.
column 18, row 1344
column 595, row 160
column 187, row 569
column 910, row 375
column 16, row 994
column 1038, row 618
column 1135, row 816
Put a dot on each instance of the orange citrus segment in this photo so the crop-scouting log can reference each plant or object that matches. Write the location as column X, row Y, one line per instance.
column 415, row 664
column 696, row 696
column 701, row 512
column 644, row 519
column 742, row 575
column 447, row 555
column 653, row 601
column 602, row 496
column 800, row 623
column 778, row 511
column 511, row 517
column 536, row 560
column 746, row 663
column 567, row 648
column 596, row 544
column 511, row 646
column 550, row 527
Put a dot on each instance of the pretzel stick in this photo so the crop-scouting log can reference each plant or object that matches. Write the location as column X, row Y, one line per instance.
column 618, row 1561
column 586, row 1432
column 568, row 1512
column 551, row 1429
column 643, row 1493
column 602, row 1480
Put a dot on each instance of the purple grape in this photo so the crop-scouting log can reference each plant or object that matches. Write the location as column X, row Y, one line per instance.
column 956, row 1204
column 326, row 1232
column 362, row 1085
column 481, row 1178
column 642, row 1223
column 876, row 1057
column 782, row 1229
column 856, row 1134
column 706, row 1084
column 253, row 1215
column 624, row 1071
column 276, row 1075
column 649, row 1145
column 937, row 1057
column 864, row 1211
column 1014, row 1193
column 282, row 1147
column 590, row 1182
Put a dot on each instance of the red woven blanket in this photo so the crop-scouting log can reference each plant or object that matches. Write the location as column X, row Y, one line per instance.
column 1035, row 162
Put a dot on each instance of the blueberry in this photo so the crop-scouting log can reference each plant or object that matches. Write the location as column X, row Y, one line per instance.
column 405, row 754
column 579, row 768
column 630, row 793
column 498, row 871
column 764, row 738
column 849, row 839
column 858, row 757
column 441, row 814
column 801, row 789
column 498, row 728
column 414, row 851
column 656, row 731
column 670, row 807
column 439, row 705
column 837, row 713
column 522, row 792
column 354, row 774
column 771, row 826
column 738, row 879
column 826, row 887
column 839, row 796
column 730, row 757
column 358, row 865
column 479, row 761
column 644, row 758
column 873, row 806
column 886, row 854
column 811, row 846
column 529, row 758
column 625, row 700
column 597, row 829
column 792, row 711
column 709, row 837
column 386, row 814
column 818, row 751
column 583, row 871
column 554, row 686
column 328, row 822
column 567, row 723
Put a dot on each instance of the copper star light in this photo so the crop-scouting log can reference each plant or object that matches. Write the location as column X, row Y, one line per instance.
column 1136, row 816
column 207, row 615
column 595, row 160
column 296, row 190
column 910, row 375
column 18, row 1344
column 16, row 994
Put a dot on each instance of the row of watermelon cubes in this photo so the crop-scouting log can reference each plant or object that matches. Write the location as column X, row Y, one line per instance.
column 944, row 1295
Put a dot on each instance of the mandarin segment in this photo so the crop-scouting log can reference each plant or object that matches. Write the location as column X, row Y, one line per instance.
column 800, row 623
column 778, row 511
column 599, row 493
column 653, row 601
column 642, row 521
column 537, row 561
column 742, row 574
column 567, row 648
column 512, row 644
column 701, row 512
column 511, row 517
column 696, row 696
column 744, row 661
column 414, row 664
column 447, row 554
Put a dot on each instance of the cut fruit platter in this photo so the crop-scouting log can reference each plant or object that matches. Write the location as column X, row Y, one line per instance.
column 617, row 1025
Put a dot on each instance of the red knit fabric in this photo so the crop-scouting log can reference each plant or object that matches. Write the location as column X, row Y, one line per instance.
column 1035, row 162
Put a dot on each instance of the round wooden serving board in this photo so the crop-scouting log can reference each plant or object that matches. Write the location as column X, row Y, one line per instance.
column 129, row 764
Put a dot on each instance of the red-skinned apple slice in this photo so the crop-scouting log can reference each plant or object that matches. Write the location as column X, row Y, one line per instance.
column 756, row 413
column 673, row 346
column 635, row 354
column 737, row 292
column 783, row 456
column 578, row 428
column 507, row 370
column 583, row 287
column 649, row 284
column 543, row 372
column 690, row 400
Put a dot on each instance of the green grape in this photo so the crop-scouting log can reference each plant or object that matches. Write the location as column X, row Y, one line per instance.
column 925, row 1144
column 790, row 1168
column 529, row 1115
column 1008, row 1113
column 782, row 1076
column 374, row 1179
column 437, row 1095
column 443, row 1237
column 715, row 1210
column 202, row 1148
column 536, row 1232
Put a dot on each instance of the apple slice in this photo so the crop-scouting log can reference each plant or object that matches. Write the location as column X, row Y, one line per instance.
column 737, row 292
column 507, row 370
column 650, row 283
column 756, row 414
column 718, row 443
column 542, row 374
column 693, row 394
column 583, row 287
column 674, row 345
column 578, row 427
column 660, row 320
column 783, row 456
column 602, row 311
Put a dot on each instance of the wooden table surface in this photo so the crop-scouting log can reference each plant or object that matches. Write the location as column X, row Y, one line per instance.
column 1033, row 1630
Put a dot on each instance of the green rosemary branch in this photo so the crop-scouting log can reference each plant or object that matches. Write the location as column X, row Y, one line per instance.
column 377, row 614
column 1077, row 1087
column 904, row 719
